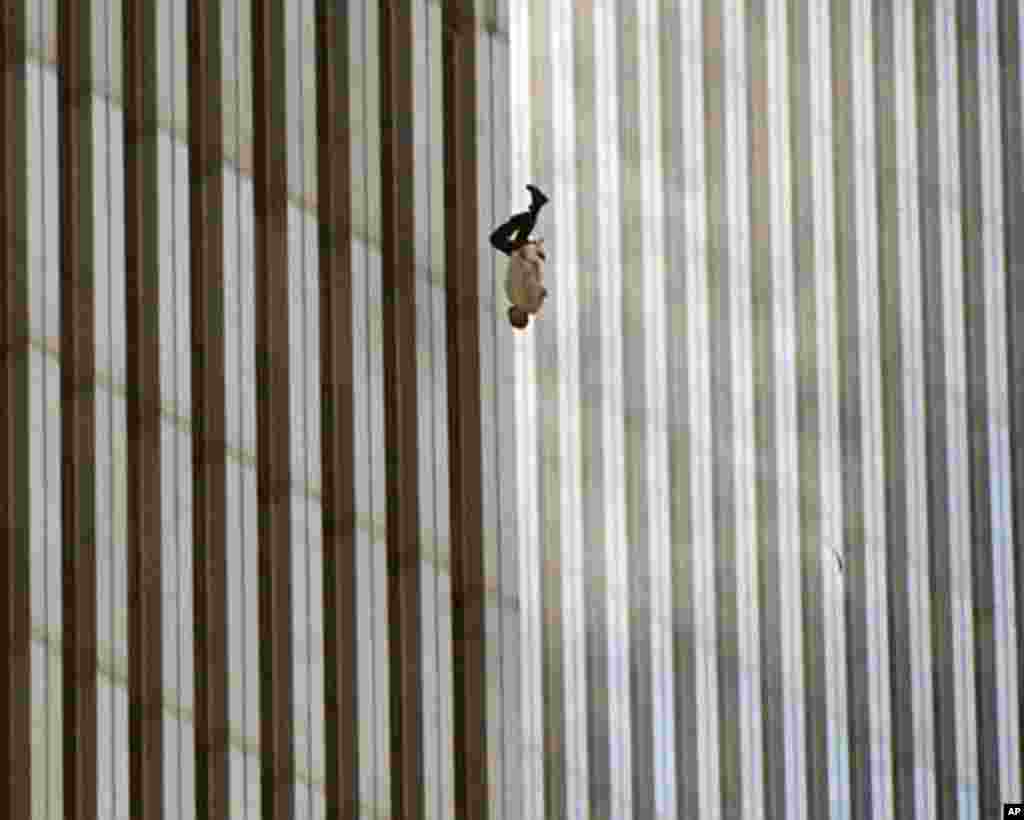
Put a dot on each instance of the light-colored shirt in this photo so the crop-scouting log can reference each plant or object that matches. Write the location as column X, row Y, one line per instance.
column 524, row 283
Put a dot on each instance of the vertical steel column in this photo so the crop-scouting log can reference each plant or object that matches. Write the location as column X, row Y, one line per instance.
column 78, row 420
column 334, row 197
column 464, row 433
column 400, row 397
column 206, row 261
column 15, row 614
column 142, row 292
column 270, row 171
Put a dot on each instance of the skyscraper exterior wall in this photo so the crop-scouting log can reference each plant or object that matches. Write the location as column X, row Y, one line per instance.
column 769, row 427
column 296, row 526
column 229, row 544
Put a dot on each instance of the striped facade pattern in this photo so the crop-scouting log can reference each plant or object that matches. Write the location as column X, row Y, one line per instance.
column 249, row 357
column 769, row 427
column 296, row 526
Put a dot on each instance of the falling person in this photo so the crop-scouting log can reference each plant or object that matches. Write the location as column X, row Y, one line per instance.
column 524, row 283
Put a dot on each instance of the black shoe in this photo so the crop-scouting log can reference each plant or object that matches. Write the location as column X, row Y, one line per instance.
column 539, row 200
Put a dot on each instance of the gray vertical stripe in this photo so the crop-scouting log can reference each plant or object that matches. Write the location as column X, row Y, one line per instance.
column 552, row 472
column 678, row 253
column 901, row 263
column 721, row 282
column 854, row 562
column 1011, row 128
column 762, row 273
column 806, row 232
column 636, row 405
column 936, row 401
column 972, row 219
column 594, row 340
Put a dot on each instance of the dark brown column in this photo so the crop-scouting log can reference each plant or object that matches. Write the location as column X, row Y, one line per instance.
column 206, row 259
column 402, row 480
column 334, row 196
column 15, row 614
column 77, row 394
column 463, row 329
column 142, row 299
column 273, row 418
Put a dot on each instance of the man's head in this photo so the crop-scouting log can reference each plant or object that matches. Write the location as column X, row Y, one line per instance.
column 518, row 317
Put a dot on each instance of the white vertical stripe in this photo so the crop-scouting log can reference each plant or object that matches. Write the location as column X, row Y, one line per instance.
column 52, row 443
column 169, row 455
column 118, row 433
column 741, row 367
column 365, row 534
column 438, row 346
column 105, row 731
column 314, row 468
column 560, row 99
column 526, row 441
column 1004, row 618
column 378, row 614
column 870, row 379
column 494, row 477
column 951, row 212
column 784, row 343
column 250, row 522
column 234, row 487
column 828, row 406
column 507, row 453
column 34, row 287
column 183, row 440
column 657, row 468
column 296, row 430
column 698, row 371
column 301, row 350
column 234, row 342
column 427, row 408
column 609, row 197
column 915, row 452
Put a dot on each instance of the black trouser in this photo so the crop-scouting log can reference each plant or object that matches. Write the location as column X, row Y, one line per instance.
column 520, row 225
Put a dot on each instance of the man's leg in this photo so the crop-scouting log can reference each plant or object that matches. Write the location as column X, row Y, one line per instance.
column 520, row 225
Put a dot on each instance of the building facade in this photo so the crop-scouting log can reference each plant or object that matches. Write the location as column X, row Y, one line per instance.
column 297, row 526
